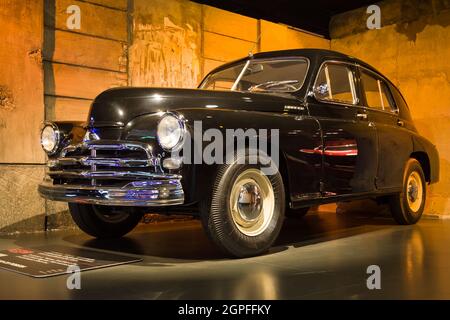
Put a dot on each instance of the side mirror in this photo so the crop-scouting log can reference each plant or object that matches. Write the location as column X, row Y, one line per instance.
column 321, row 89
column 319, row 92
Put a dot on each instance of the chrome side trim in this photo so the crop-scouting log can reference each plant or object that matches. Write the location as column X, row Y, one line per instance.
column 296, row 108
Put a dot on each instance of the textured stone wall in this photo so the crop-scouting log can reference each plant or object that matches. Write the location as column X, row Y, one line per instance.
column 413, row 50
column 80, row 63
column 175, row 43
column 21, row 113
column 50, row 73
column 21, row 85
column 166, row 44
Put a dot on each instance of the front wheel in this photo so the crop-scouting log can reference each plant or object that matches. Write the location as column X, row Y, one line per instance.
column 407, row 206
column 104, row 221
column 245, row 212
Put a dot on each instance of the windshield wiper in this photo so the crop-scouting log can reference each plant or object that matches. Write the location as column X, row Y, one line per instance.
column 266, row 86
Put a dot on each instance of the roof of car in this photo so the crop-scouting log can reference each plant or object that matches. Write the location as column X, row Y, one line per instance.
column 303, row 52
column 320, row 54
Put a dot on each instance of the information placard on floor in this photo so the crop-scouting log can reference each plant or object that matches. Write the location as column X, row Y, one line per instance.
column 50, row 261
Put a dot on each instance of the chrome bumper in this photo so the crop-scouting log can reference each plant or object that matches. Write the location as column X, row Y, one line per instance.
column 161, row 191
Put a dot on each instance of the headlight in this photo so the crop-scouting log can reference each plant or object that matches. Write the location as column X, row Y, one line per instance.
column 50, row 138
column 170, row 132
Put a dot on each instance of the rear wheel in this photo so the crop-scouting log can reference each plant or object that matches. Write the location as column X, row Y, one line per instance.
column 104, row 221
column 245, row 212
column 407, row 206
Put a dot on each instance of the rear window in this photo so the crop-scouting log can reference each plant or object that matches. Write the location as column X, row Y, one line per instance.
column 399, row 100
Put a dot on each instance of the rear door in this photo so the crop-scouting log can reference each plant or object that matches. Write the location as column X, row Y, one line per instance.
column 394, row 140
column 349, row 140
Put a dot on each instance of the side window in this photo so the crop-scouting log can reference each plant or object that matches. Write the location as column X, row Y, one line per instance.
column 388, row 102
column 376, row 92
column 399, row 100
column 335, row 82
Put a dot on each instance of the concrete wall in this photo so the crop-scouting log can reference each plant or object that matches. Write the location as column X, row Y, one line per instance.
column 21, row 93
column 280, row 37
column 412, row 49
column 78, row 64
column 21, row 111
column 165, row 48
column 227, row 36
column 177, row 42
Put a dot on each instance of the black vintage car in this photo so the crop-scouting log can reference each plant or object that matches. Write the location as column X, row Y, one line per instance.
column 338, row 129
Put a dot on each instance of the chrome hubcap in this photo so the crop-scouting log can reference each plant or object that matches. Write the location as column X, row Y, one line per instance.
column 252, row 202
column 249, row 202
column 414, row 191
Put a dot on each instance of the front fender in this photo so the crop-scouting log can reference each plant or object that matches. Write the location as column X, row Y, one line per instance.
column 296, row 133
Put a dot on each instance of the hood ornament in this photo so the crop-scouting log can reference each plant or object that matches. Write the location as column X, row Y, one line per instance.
column 90, row 136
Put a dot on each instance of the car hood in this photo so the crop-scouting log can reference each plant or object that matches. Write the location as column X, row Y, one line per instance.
column 116, row 107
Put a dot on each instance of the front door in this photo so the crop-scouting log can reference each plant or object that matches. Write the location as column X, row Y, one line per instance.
column 349, row 139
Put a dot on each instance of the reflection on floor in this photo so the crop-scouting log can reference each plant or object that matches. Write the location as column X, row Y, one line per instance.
column 323, row 255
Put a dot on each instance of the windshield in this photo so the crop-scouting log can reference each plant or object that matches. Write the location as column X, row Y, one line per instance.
column 283, row 75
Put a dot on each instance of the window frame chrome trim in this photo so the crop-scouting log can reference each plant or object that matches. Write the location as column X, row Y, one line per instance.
column 356, row 99
column 395, row 111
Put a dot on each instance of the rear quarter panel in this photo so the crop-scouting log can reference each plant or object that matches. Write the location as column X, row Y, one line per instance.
column 421, row 144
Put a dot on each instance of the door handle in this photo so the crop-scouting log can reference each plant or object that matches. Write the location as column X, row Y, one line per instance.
column 361, row 116
column 400, row 123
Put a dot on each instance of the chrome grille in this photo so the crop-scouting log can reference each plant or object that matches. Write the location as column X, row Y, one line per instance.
column 104, row 162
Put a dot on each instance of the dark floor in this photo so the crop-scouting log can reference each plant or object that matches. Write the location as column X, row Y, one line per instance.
column 323, row 255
